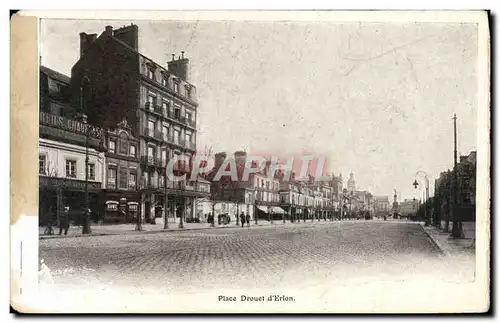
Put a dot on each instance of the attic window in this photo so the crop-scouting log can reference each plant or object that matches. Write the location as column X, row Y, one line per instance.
column 188, row 91
column 150, row 70
column 176, row 86
column 164, row 79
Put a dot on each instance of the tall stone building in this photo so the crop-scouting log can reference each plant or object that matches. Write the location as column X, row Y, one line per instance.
column 113, row 81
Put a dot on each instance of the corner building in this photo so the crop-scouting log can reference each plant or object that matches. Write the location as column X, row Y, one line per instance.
column 113, row 81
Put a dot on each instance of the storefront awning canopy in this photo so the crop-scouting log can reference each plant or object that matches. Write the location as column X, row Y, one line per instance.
column 278, row 210
column 112, row 202
column 262, row 208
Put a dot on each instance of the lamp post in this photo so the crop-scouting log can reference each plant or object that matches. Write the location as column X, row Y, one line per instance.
column 83, row 117
column 426, row 196
column 165, row 207
column 456, row 230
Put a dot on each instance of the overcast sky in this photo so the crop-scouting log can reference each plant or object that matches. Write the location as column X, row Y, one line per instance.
column 376, row 99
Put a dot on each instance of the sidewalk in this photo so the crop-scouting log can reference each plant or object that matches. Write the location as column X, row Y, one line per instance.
column 451, row 246
column 116, row 229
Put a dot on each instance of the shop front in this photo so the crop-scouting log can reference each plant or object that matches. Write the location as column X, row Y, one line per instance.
column 56, row 193
column 121, row 207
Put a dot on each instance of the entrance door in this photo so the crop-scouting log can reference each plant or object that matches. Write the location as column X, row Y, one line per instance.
column 147, row 210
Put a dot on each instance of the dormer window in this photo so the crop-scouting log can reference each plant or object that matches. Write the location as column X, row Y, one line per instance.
column 164, row 79
column 150, row 70
column 188, row 91
column 176, row 86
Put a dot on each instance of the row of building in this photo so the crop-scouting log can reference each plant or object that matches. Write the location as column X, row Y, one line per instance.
column 130, row 116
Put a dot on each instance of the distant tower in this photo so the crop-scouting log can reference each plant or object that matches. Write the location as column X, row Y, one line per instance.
column 395, row 205
column 351, row 183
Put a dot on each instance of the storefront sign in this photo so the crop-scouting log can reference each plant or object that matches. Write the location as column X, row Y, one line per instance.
column 71, row 125
column 65, row 183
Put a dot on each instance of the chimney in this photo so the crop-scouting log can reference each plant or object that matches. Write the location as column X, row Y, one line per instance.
column 179, row 67
column 129, row 35
column 240, row 157
column 86, row 41
column 109, row 30
column 219, row 160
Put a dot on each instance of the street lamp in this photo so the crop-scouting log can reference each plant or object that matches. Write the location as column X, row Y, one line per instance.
column 86, row 223
column 415, row 184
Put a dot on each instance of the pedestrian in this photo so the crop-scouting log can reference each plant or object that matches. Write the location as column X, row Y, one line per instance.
column 64, row 221
column 242, row 219
column 248, row 220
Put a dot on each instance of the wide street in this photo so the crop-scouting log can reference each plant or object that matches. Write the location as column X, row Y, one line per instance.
column 244, row 257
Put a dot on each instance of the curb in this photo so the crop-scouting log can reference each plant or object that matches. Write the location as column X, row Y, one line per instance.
column 435, row 241
column 47, row 237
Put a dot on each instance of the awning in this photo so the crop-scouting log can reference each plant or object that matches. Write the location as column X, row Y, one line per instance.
column 262, row 208
column 278, row 210
column 112, row 202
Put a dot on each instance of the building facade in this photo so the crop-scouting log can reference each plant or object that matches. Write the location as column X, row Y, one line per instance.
column 121, row 195
column 112, row 81
column 55, row 97
column 381, row 206
column 61, row 164
column 409, row 207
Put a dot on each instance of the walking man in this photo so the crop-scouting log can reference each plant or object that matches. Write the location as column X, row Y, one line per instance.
column 242, row 219
column 64, row 221
column 248, row 219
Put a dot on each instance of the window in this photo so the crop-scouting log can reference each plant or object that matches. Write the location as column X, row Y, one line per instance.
column 151, row 127
column 70, row 168
column 42, row 164
column 166, row 107
column 188, row 138
column 176, row 87
column 132, row 151
column 111, row 177
column 165, row 132
column 177, row 113
column 151, row 73
column 112, row 146
column 176, row 136
column 164, row 81
column 91, row 171
column 188, row 91
column 123, row 177
column 123, row 144
column 151, row 151
column 164, row 156
column 188, row 116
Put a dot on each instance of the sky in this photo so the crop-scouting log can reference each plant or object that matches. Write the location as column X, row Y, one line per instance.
column 375, row 99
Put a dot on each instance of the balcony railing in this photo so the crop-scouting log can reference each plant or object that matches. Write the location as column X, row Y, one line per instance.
column 148, row 160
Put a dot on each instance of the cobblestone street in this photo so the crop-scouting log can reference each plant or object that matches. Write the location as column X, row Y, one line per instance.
column 290, row 255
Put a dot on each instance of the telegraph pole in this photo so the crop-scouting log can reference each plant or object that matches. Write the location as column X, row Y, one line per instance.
column 456, row 231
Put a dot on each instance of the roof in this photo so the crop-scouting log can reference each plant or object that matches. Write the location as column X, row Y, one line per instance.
column 55, row 75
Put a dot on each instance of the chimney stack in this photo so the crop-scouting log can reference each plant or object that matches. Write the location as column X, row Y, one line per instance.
column 219, row 160
column 109, row 30
column 86, row 41
column 179, row 67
